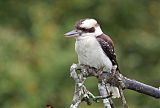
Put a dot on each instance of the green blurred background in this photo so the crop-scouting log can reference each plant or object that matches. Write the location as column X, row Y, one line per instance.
column 35, row 57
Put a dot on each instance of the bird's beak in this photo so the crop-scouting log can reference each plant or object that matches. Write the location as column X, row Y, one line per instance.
column 72, row 33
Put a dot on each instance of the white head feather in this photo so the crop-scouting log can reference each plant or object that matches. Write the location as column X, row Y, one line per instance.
column 88, row 23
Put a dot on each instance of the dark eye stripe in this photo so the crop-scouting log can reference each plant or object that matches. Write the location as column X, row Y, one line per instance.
column 90, row 30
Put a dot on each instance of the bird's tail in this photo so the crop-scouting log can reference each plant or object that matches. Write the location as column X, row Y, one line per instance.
column 114, row 91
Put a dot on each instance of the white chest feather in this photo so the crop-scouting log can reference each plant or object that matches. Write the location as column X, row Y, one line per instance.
column 90, row 53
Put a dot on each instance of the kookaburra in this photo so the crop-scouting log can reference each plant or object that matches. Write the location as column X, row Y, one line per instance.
column 94, row 48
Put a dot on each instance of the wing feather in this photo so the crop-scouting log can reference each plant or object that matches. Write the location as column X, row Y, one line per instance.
column 108, row 48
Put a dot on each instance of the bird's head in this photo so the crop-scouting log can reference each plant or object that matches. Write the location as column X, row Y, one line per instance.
column 84, row 28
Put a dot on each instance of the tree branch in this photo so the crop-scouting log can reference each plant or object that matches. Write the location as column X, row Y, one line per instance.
column 114, row 78
column 125, row 83
column 141, row 87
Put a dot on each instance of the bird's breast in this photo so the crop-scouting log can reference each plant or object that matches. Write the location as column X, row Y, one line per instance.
column 90, row 53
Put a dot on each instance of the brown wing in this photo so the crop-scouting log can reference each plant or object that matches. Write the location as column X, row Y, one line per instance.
column 108, row 48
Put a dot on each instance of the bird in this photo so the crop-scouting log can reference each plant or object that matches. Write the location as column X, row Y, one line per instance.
column 94, row 48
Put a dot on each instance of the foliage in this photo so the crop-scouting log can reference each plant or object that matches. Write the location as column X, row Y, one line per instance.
column 35, row 57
